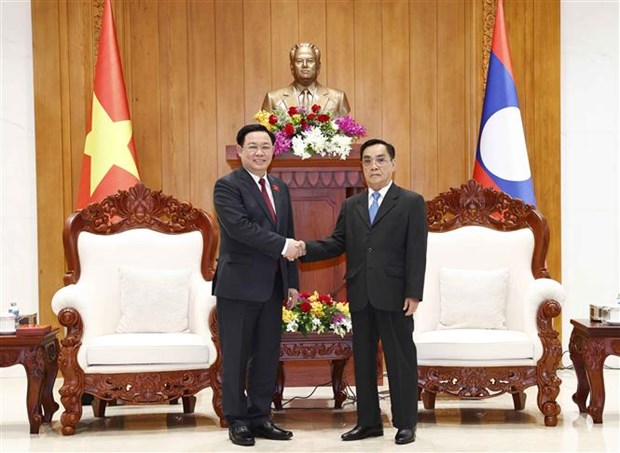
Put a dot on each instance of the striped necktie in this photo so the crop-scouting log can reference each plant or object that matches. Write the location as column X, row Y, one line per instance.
column 263, row 190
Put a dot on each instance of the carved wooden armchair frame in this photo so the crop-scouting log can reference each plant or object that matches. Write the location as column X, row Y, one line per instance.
column 138, row 207
column 473, row 205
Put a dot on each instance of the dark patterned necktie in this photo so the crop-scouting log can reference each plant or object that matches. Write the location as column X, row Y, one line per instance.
column 263, row 190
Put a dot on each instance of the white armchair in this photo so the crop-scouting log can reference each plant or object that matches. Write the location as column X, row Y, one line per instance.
column 485, row 326
column 138, row 306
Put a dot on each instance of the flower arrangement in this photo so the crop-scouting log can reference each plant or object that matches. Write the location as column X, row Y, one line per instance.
column 316, row 313
column 311, row 132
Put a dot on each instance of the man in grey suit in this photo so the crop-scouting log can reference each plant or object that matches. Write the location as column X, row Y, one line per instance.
column 305, row 90
column 255, row 273
column 383, row 232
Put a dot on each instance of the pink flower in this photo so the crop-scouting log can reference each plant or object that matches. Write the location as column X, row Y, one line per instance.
column 350, row 127
column 283, row 143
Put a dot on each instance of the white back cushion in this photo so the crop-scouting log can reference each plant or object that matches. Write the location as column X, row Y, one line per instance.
column 102, row 256
column 153, row 300
column 478, row 248
column 472, row 299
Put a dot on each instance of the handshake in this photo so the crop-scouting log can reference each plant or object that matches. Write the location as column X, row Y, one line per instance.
column 294, row 249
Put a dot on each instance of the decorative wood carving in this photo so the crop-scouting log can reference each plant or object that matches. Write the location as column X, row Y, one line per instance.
column 139, row 207
column 546, row 376
column 145, row 388
column 216, row 371
column 589, row 346
column 311, row 347
column 296, row 346
column 321, row 178
column 38, row 354
column 314, row 173
column 473, row 205
column 476, row 383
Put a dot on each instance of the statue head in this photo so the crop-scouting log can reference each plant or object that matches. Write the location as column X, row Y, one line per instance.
column 305, row 63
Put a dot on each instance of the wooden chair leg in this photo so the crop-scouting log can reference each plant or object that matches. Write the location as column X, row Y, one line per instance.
column 519, row 400
column 428, row 398
column 99, row 406
column 189, row 404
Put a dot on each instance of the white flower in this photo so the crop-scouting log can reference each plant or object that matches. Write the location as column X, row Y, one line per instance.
column 340, row 146
column 300, row 147
column 291, row 326
column 315, row 140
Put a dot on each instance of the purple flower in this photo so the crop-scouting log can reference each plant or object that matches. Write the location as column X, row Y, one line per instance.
column 337, row 319
column 350, row 127
column 283, row 143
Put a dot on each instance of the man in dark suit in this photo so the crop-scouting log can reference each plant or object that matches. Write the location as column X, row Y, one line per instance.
column 255, row 272
column 383, row 232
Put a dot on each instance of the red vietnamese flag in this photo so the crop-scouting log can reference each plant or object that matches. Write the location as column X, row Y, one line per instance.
column 110, row 162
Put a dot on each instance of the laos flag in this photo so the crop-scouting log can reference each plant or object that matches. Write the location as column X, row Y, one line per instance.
column 501, row 156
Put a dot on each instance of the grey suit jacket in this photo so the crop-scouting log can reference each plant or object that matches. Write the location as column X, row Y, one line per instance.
column 330, row 100
column 386, row 261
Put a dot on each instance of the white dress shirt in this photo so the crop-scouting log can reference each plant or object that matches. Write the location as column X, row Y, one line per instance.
column 381, row 192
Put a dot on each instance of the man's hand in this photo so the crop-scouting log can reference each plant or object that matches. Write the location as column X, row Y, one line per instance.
column 410, row 306
column 302, row 244
column 293, row 295
column 293, row 249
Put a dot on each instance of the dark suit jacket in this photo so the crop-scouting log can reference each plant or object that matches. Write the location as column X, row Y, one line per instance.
column 251, row 245
column 330, row 100
column 386, row 262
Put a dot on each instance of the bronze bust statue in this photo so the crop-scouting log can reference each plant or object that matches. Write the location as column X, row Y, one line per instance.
column 305, row 90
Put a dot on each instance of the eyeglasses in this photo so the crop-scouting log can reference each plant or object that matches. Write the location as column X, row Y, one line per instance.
column 379, row 160
column 253, row 149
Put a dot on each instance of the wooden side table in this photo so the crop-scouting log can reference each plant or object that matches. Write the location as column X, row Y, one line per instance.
column 590, row 343
column 327, row 346
column 38, row 354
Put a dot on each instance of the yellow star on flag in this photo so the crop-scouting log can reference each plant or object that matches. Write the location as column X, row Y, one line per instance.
column 107, row 145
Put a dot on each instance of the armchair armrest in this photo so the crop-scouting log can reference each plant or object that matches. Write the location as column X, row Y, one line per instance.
column 202, row 305
column 542, row 290
column 71, row 296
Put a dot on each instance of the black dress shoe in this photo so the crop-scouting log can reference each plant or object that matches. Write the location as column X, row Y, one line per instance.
column 362, row 432
column 241, row 435
column 405, row 436
column 270, row 431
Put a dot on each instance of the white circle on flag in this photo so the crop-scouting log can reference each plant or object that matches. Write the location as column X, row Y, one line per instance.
column 502, row 145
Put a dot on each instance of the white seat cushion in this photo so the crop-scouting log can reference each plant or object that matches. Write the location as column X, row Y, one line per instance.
column 147, row 348
column 474, row 344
